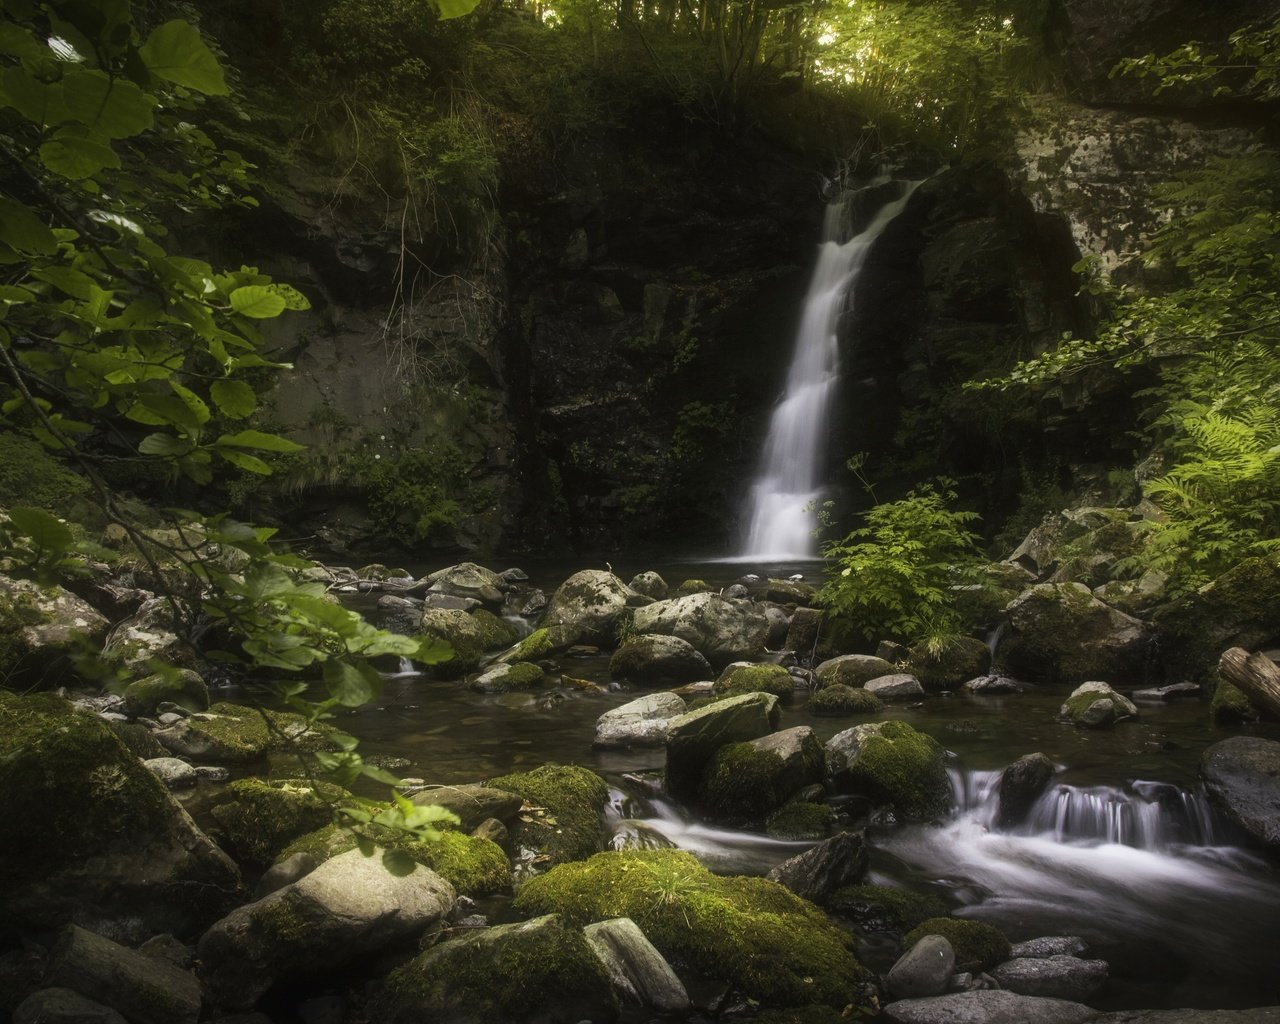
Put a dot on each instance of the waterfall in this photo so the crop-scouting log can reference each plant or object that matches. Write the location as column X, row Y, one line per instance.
column 789, row 482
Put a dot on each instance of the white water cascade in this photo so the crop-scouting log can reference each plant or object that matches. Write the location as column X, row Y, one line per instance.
column 789, row 482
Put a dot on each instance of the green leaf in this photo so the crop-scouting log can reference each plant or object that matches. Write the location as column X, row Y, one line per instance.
column 39, row 102
column 113, row 108
column 23, row 230
column 234, row 398
column 163, row 444
column 257, row 301
column 351, row 685
column 432, row 650
column 247, row 462
column 293, row 299
column 455, row 8
column 176, row 53
column 257, row 439
column 67, row 279
column 47, row 532
column 76, row 158
column 14, row 295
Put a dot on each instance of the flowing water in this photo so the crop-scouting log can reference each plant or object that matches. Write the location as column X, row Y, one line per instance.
column 788, row 485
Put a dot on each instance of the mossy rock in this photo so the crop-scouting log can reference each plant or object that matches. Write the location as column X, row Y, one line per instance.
column 893, row 762
column 693, row 587
column 506, row 678
column 801, row 820
column 1095, row 705
column 738, row 679
column 1241, row 608
column 542, row 969
column 755, row 934
column 881, row 908
column 1231, row 704
column 181, row 686
column 43, row 628
column 30, row 475
column 978, row 946
column 838, row 699
column 852, row 670
column 947, row 663
column 494, row 633
column 573, row 799
column 744, row 783
column 472, row 635
column 536, row 646
column 259, row 819
column 234, row 734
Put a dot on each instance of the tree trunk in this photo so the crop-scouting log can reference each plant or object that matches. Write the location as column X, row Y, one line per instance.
column 1256, row 675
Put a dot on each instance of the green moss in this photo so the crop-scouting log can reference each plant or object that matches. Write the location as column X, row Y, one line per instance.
column 322, row 844
column 573, row 798
column 259, row 819
column 503, row 678
column 978, row 946
column 693, row 587
column 741, row 784
column 751, row 932
column 881, row 908
column 30, row 475
column 904, row 766
column 494, row 634
column 181, row 686
column 801, row 820
column 535, row 646
column 739, row 679
column 1231, row 704
column 838, row 699
column 948, row 661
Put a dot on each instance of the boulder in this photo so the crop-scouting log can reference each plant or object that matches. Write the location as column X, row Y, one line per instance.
column 945, row 665
column 1058, row 977
column 853, row 670
column 743, row 677
column 348, row 907
column 1095, row 705
column 183, row 687
column 923, row 970
column 694, row 737
column 1048, row 945
column 470, row 978
column 878, row 908
column 44, row 627
column 994, row 684
column 824, row 868
column 570, row 800
column 63, row 1006
column 503, row 678
column 801, row 820
column 398, row 614
column 637, row 971
column 891, row 762
column 147, row 639
column 779, row 623
column 173, row 772
column 233, row 734
column 470, row 634
column 898, row 686
column 1060, row 631
column 657, row 660
column 643, row 722
column 142, row 988
column 472, row 802
column 746, row 782
column 723, row 631
column 802, row 634
column 103, row 843
column 588, row 605
column 650, row 584
column 838, row 699
column 986, row 1006
column 1242, row 778
column 256, row 819
column 468, row 580
column 978, row 946
column 1021, row 784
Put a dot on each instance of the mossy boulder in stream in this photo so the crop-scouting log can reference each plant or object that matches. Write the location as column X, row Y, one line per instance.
column 1095, row 705
column 752, row 933
column 743, row 677
column 233, row 734
column 505, row 678
column 978, row 946
column 42, row 629
column 569, row 801
column 948, row 663
column 259, row 819
column 472, row 635
column 746, row 782
column 587, row 605
column 879, row 908
column 801, row 820
column 839, row 700
column 651, row 659
column 694, row 737
column 723, row 631
column 852, row 670
column 891, row 761
column 93, row 836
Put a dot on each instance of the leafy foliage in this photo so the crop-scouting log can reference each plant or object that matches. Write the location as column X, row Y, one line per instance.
column 1249, row 65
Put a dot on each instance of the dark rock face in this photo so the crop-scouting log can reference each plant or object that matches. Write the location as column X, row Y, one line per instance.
column 820, row 871
column 1242, row 776
column 1020, row 785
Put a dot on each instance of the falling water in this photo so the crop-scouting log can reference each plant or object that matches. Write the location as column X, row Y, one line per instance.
column 788, row 484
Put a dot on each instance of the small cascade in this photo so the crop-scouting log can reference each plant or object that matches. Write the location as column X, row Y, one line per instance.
column 1148, row 816
column 788, row 484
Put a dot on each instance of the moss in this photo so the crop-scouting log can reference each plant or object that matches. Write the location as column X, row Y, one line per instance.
column 978, row 946
column 801, row 820
column 948, row 662
column 533, row 647
column 1231, row 704
column 182, row 687
column 473, row 865
column 693, row 587
column 881, row 908
column 508, row 973
column 802, row 1015
column 899, row 764
column 573, row 799
column 30, row 475
column 739, row 679
column 322, row 844
column 838, row 699
column 753, row 933
column 259, row 819
column 472, row 635
column 741, row 784
column 494, row 634
column 505, row 678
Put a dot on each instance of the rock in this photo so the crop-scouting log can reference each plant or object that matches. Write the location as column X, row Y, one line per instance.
column 469, row 978
column 838, row 699
column 1048, row 945
column 694, row 737
column 722, row 631
column 992, row 685
column 749, row 932
column 853, row 670
column 108, row 845
column 572, row 797
column 1060, row 631
column 1020, row 786
column 1058, row 977
column 588, row 605
column 802, row 634
column 745, row 782
column 890, row 761
column 174, row 773
column 346, row 908
column 946, row 665
column 801, row 820
column 826, row 867
column 898, row 686
column 1095, row 705
column 259, row 819
column 643, row 722
column 923, row 970
column 232, row 734
column 650, row 584
column 399, row 614
column 786, row 592
column 1231, row 704
column 779, row 623
column 657, row 660
column 1165, row 694
column 505, row 678
column 147, row 637
column 1242, row 778
column 143, row 989
column 637, row 971
column 1241, row 608
column 986, row 1007
column 447, row 602
column 470, row 634
column 138, row 740
column 468, row 580
column 978, row 946
column 182, row 687
column 743, row 677
column 63, row 1006
column 168, row 948
column 44, row 627
column 284, row 872
column 878, row 908
column 1257, row 1015
column 473, row 802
